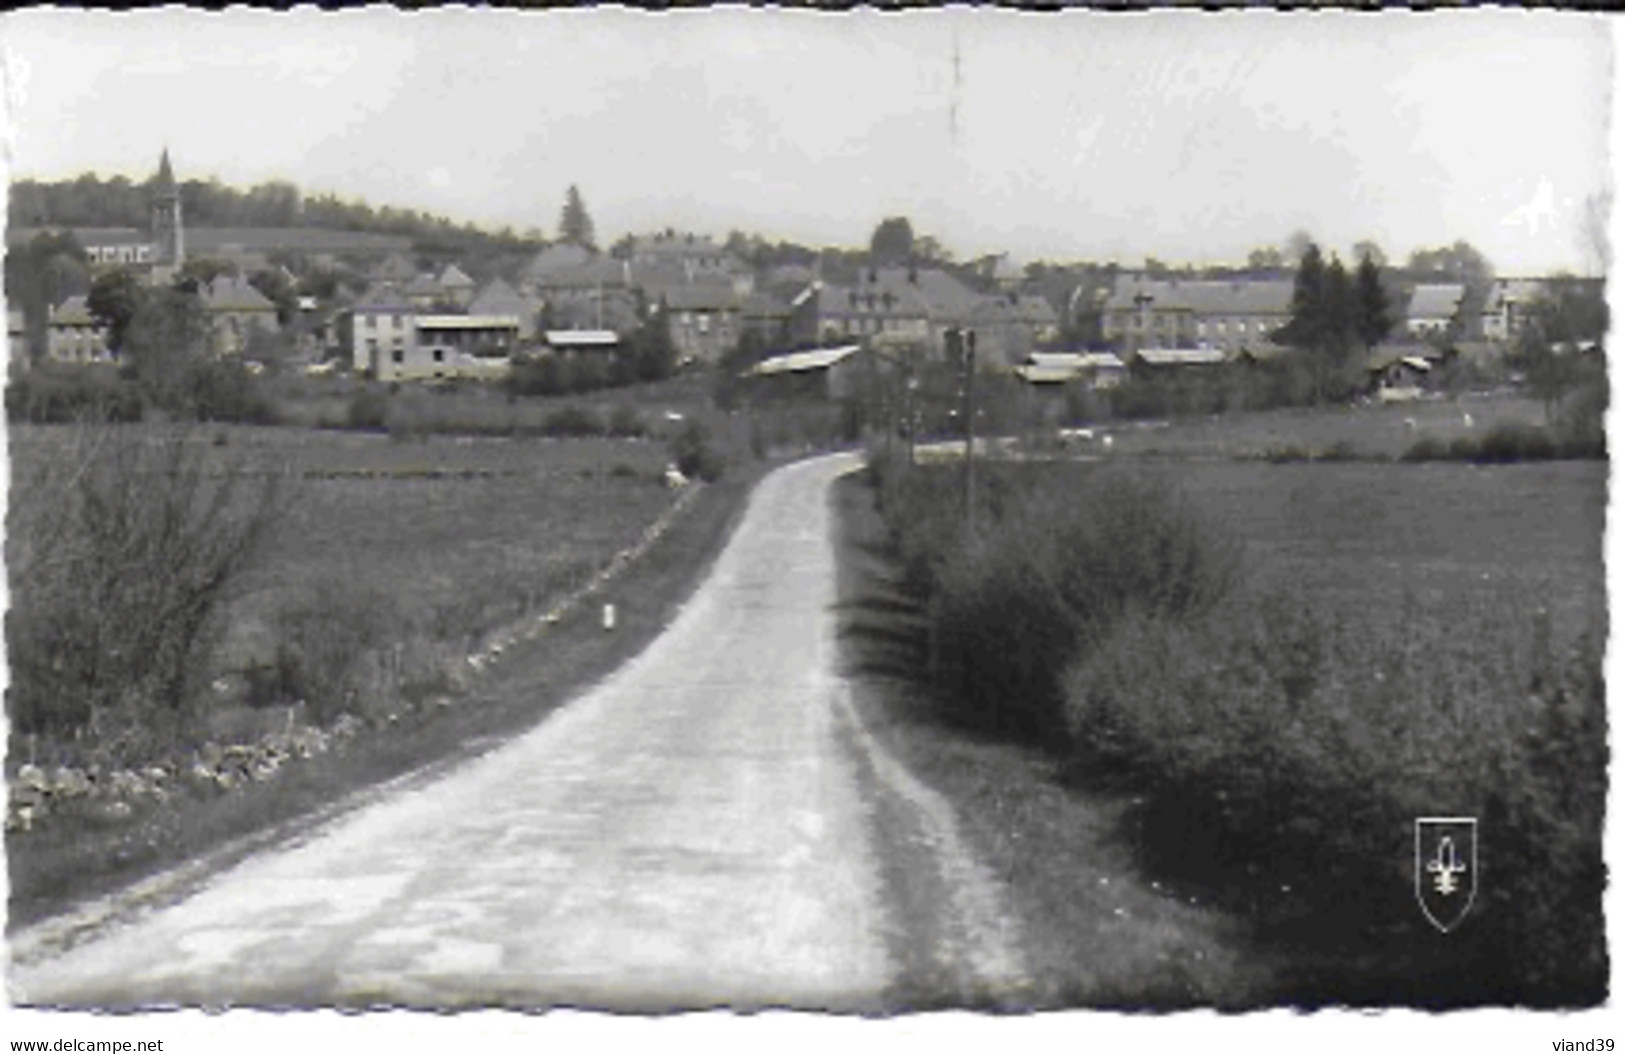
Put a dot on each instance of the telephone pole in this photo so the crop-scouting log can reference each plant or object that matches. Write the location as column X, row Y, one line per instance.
column 968, row 342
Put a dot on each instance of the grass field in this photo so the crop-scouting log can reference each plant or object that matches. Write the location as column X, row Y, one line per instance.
column 431, row 542
column 1372, row 430
column 1463, row 556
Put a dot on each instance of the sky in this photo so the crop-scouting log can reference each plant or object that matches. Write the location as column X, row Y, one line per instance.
column 1083, row 135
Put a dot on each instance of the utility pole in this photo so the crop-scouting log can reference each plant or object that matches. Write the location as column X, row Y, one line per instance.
column 968, row 342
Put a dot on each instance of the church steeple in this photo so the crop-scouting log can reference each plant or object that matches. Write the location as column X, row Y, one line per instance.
column 168, row 236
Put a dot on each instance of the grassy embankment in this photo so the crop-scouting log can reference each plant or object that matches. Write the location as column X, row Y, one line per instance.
column 389, row 563
column 1256, row 722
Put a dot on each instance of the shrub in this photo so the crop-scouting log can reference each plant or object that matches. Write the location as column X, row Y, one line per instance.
column 1046, row 577
column 368, row 409
column 626, row 423
column 48, row 394
column 323, row 644
column 695, row 454
column 123, row 553
column 573, row 421
column 1274, row 740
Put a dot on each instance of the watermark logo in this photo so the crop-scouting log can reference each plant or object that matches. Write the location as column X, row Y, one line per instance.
column 1446, row 868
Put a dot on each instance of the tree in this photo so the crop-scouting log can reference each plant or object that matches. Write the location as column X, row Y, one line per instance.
column 1297, row 244
column 115, row 298
column 1372, row 316
column 1265, row 258
column 928, row 250
column 275, row 287
column 164, row 342
column 575, row 226
column 1367, row 248
column 199, row 271
column 892, row 243
column 50, row 268
column 1324, row 322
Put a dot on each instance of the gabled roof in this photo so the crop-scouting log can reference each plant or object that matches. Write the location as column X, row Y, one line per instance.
column 700, row 296
column 383, row 298
column 454, row 278
column 1435, row 301
column 803, row 361
column 764, row 305
column 582, row 338
column 1201, row 297
column 1081, row 360
column 598, row 271
column 395, row 268
column 500, row 298
column 1028, row 310
column 1181, row 356
column 234, row 294
column 561, row 256
column 74, row 311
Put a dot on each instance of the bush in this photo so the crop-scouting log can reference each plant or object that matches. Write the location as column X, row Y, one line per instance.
column 1047, row 575
column 573, row 421
column 1281, row 746
column 123, row 553
column 626, row 423
column 695, row 455
column 48, row 394
column 368, row 410
column 323, row 645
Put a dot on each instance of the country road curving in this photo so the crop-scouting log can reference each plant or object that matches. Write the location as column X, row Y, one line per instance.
column 688, row 833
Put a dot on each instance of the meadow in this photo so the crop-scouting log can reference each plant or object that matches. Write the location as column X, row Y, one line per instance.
column 342, row 642
column 1262, row 672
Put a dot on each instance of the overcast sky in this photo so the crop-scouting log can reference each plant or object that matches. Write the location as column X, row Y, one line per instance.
column 1187, row 136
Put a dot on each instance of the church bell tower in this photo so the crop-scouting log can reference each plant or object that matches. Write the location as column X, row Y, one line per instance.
column 168, row 238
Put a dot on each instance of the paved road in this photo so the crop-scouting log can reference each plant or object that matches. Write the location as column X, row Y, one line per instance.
column 685, row 834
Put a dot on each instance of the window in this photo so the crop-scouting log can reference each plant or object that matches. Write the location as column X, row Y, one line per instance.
column 372, row 321
column 705, row 323
column 440, row 354
column 398, row 356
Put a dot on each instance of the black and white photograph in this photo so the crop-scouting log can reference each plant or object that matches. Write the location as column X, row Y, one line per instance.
column 979, row 518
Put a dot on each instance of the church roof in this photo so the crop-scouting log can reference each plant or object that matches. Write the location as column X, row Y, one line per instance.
column 165, row 180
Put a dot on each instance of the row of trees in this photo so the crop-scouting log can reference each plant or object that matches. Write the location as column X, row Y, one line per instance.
column 1335, row 315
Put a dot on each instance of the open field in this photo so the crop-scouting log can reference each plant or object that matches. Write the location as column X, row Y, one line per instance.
column 429, row 543
column 1371, row 430
column 1196, row 769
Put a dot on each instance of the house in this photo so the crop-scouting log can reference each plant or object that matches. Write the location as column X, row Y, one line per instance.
column 1398, row 372
column 551, row 261
column 1434, row 310
column 766, row 319
column 905, row 302
column 378, row 329
column 396, row 268
column 73, row 335
column 702, row 319
column 571, row 343
column 1228, row 316
column 429, row 361
column 485, row 336
column 500, row 298
column 455, row 286
column 822, row 373
column 235, row 310
column 691, row 256
column 1508, row 307
column 596, row 294
column 1099, row 369
column 1009, row 327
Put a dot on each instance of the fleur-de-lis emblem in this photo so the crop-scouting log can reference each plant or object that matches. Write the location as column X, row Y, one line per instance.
column 1446, row 868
